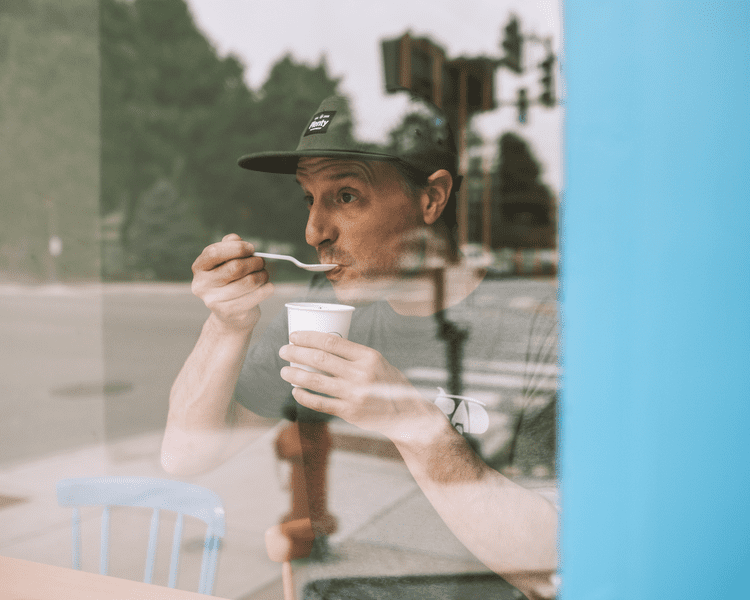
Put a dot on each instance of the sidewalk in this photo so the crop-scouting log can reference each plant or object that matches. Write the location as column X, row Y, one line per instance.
column 386, row 527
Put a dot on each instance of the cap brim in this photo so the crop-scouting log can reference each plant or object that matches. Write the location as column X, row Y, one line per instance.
column 286, row 162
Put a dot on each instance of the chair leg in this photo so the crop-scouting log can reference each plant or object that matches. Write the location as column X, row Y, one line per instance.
column 152, row 540
column 209, row 563
column 104, row 547
column 174, row 564
column 76, row 539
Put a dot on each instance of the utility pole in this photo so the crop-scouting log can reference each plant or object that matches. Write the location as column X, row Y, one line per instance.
column 487, row 207
column 463, row 163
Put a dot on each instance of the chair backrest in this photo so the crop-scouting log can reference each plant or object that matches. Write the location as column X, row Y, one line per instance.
column 159, row 494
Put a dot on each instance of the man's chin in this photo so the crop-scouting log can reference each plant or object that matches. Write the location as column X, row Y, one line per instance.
column 362, row 290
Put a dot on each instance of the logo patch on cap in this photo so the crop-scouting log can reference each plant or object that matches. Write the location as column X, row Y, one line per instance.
column 320, row 122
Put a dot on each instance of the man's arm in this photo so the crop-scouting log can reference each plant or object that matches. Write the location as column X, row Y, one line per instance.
column 203, row 422
column 509, row 528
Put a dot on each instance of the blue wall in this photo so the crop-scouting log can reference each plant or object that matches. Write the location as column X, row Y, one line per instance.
column 655, row 300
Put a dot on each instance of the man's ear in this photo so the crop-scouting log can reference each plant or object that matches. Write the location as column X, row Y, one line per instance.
column 435, row 195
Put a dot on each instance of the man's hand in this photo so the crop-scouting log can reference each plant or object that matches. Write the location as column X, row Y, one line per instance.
column 511, row 529
column 231, row 282
column 364, row 388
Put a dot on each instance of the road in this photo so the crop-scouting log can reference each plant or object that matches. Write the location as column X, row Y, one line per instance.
column 87, row 364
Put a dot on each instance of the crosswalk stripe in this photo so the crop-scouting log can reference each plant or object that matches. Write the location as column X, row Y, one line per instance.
column 493, row 380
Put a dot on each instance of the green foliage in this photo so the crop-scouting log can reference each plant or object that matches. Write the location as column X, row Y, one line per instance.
column 519, row 170
column 165, row 235
column 173, row 109
column 524, row 210
column 164, row 93
column 49, row 145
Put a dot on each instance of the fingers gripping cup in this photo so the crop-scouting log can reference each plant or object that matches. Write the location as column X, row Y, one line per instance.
column 317, row 316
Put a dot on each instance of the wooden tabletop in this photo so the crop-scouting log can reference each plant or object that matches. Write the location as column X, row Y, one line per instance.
column 26, row 580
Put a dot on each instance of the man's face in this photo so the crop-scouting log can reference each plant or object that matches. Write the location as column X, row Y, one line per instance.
column 360, row 216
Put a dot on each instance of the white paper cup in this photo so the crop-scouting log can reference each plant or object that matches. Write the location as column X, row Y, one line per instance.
column 317, row 316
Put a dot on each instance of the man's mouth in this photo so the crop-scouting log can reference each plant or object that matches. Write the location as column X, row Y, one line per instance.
column 334, row 273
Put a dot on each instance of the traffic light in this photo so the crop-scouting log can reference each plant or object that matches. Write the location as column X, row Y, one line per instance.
column 392, row 65
column 512, row 45
column 476, row 78
column 547, row 97
column 422, row 74
column 523, row 106
column 414, row 64
column 480, row 85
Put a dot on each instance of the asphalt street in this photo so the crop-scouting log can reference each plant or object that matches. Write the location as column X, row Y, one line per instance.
column 87, row 364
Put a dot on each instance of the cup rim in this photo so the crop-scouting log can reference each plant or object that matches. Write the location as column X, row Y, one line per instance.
column 319, row 306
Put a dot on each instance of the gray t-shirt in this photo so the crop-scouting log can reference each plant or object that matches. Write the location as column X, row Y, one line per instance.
column 508, row 360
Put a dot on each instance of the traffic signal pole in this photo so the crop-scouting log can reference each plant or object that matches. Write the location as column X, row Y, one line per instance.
column 462, row 87
column 487, row 207
column 463, row 160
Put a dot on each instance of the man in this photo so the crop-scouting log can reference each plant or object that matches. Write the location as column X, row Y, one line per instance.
column 370, row 205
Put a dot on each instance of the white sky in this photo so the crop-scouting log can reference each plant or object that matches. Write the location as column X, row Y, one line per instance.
column 348, row 33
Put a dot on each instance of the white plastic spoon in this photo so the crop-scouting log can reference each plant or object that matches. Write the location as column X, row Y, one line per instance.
column 316, row 268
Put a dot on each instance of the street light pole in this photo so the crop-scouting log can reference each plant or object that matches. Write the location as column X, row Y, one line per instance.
column 451, row 333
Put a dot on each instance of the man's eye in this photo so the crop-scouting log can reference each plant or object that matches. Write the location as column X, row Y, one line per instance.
column 347, row 198
column 308, row 200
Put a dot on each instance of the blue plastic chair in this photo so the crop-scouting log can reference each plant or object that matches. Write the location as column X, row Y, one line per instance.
column 149, row 492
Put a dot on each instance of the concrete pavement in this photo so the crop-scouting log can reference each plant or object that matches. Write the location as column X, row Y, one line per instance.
column 386, row 527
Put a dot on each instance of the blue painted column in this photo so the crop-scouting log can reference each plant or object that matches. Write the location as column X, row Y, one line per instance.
column 655, row 447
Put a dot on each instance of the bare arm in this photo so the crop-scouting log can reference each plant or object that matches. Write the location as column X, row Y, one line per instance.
column 510, row 529
column 204, row 425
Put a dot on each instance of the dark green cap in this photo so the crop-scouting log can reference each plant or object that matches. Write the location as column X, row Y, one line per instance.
column 422, row 139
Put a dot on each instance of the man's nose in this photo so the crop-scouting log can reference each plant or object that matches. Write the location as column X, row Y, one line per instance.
column 321, row 227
